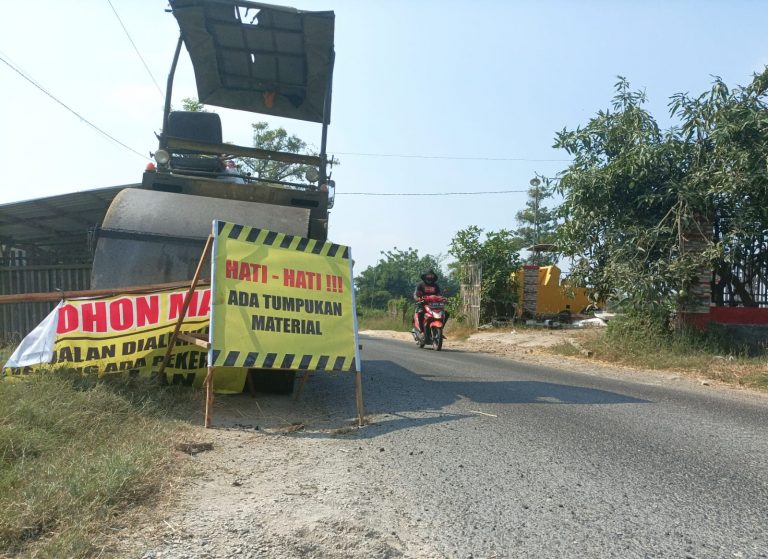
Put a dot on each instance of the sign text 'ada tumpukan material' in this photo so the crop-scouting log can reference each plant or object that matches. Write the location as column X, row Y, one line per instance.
column 281, row 302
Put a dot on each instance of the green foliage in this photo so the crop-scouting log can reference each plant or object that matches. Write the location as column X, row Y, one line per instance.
column 276, row 139
column 193, row 105
column 640, row 334
column 623, row 201
column 537, row 224
column 74, row 455
column 497, row 251
column 635, row 192
column 650, row 341
column 396, row 275
column 727, row 131
column 454, row 309
column 379, row 319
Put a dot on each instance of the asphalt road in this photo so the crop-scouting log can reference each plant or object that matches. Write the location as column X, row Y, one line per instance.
column 487, row 457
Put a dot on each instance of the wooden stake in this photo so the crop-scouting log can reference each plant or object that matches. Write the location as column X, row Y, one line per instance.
column 250, row 383
column 359, row 398
column 300, row 389
column 187, row 300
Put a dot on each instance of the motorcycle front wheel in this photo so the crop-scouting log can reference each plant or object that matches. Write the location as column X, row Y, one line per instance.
column 437, row 339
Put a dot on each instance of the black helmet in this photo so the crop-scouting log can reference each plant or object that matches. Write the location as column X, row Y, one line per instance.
column 428, row 273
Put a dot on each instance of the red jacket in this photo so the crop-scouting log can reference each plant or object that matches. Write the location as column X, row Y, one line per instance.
column 425, row 289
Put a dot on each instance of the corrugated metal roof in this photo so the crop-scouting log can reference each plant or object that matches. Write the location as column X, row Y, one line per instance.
column 57, row 225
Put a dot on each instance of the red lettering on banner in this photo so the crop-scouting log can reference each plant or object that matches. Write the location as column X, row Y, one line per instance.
column 245, row 272
column 121, row 314
column 232, row 269
column 147, row 310
column 94, row 317
column 288, row 277
column 69, row 319
column 301, row 279
column 198, row 306
column 205, row 304
column 126, row 313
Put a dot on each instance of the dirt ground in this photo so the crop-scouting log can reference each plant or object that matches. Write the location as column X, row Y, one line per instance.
column 533, row 345
column 283, row 478
column 528, row 344
column 292, row 479
column 507, row 342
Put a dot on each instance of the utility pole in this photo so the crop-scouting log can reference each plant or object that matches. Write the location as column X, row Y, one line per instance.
column 535, row 182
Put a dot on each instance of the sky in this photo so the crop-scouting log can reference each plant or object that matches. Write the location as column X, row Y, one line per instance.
column 470, row 93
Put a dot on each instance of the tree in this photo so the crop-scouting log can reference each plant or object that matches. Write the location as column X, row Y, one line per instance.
column 498, row 254
column 537, row 224
column 270, row 139
column 625, row 204
column 276, row 139
column 192, row 105
column 728, row 134
column 395, row 276
column 634, row 194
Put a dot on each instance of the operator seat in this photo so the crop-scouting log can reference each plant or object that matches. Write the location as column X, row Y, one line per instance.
column 197, row 127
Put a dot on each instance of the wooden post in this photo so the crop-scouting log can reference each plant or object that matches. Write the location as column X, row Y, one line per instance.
column 177, row 334
column 300, row 389
column 359, row 398
column 187, row 299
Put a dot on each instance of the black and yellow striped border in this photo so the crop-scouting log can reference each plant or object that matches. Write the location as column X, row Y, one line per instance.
column 284, row 361
column 281, row 361
column 268, row 238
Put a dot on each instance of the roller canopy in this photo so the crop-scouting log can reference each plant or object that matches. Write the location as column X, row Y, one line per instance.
column 258, row 57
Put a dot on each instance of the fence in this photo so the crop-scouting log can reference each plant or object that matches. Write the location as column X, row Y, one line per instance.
column 471, row 280
column 751, row 279
column 18, row 319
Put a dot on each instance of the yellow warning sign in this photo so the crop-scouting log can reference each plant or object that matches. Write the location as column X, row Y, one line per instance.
column 281, row 302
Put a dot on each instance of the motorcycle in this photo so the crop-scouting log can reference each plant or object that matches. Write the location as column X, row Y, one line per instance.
column 434, row 321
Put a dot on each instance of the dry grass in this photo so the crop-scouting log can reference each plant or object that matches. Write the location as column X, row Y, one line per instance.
column 457, row 331
column 685, row 353
column 77, row 457
column 374, row 319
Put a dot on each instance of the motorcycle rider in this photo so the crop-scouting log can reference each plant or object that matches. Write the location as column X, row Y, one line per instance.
column 428, row 286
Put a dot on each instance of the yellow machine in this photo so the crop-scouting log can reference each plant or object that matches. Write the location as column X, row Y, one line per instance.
column 541, row 285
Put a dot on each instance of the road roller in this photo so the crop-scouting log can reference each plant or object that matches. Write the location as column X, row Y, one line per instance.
column 247, row 56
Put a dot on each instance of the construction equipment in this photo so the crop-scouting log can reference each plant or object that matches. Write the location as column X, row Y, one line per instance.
column 248, row 56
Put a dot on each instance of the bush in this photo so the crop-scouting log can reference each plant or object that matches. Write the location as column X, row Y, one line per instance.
column 638, row 333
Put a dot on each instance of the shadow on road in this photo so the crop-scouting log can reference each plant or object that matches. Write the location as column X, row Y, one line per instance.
column 398, row 398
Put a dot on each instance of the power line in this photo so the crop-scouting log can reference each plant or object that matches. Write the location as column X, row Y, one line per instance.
column 455, row 157
column 159, row 89
column 20, row 72
column 429, row 193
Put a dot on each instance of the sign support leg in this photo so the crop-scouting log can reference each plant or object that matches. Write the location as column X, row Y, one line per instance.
column 300, row 389
column 209, row 398
column 359, row 398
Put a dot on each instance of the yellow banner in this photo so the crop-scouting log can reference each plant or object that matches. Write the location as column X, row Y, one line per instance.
column 281, row 302
column 125, row 334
